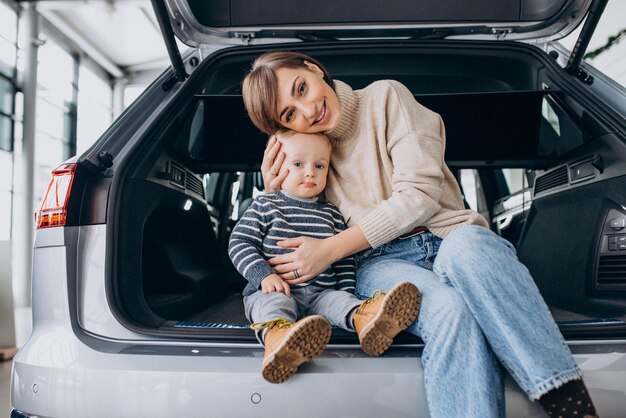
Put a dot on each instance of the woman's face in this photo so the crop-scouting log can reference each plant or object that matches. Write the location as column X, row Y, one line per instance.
column 306, row 103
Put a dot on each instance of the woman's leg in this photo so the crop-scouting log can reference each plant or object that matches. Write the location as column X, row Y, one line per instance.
column 507, row 305
column 462, row 377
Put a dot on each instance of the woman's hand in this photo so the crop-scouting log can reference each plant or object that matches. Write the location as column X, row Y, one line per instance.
column 273, row 283
column 310, row 258
column 273, row 160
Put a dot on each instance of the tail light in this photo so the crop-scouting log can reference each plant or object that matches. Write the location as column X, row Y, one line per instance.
column 53, row 209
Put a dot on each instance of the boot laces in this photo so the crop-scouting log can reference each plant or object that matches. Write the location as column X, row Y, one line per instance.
column 274, row 323
column 377, row 294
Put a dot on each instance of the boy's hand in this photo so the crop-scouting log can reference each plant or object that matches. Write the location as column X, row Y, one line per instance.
column 273, row 283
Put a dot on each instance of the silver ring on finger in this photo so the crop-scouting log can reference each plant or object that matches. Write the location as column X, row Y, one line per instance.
column 296, row 274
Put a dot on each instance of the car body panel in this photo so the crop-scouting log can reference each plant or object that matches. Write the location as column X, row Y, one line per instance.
column 67, row 372
column 233, row 22
column 57, row 375
column 94, row 314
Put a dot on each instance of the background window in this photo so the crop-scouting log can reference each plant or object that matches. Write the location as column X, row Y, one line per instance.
column 8, row 58
column 8, row 40
column 6, row 181
column 516, row 179
column 131, row 93
column 54, row 105
column 95, row 113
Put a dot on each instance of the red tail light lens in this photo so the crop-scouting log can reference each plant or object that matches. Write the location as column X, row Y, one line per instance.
column 53, row 209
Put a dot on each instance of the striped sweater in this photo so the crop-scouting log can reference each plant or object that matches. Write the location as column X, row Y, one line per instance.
column 276, row 216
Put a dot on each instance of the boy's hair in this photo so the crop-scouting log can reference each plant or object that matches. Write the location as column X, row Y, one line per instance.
column 260, row 86
column 284, row 134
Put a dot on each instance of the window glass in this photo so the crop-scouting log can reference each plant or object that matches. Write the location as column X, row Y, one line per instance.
column 8, row 23
column 42, row 178
column 607, row 47
column 49, row 150
column 6, row 172
column 95, row 97
column 234, row 200
column 50, row 119
column 548, row 113
column 17, row 133
column 256, row 192
column 8, row 53
column 7, row 92
column 8, row 40
column 5, row 133
column 469, row 186
column 8, row 57
column 6, row 184
column 515, row 178
column 131, row 93
column 55, row 76
column 5, row 215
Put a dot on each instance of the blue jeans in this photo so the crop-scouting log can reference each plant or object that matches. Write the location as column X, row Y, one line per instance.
column 480, row 309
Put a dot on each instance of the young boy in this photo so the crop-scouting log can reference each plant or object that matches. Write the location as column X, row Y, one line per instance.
column 273, row 305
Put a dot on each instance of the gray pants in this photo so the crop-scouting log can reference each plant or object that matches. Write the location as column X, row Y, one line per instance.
column 334, row 305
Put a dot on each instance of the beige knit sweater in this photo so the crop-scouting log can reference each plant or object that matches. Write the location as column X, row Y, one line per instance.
column 387, row 172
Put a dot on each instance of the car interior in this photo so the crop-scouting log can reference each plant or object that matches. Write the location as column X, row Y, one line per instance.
column 548, row 176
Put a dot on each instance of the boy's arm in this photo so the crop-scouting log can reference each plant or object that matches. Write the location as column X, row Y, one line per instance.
column 245, row 247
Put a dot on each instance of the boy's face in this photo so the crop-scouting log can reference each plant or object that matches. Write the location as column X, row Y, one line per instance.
column 307, row 157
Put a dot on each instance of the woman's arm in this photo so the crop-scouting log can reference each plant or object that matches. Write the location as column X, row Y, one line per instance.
column 313, row 255
column 415, row 145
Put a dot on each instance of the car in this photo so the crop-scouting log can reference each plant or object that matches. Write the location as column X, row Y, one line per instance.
column 137, row 309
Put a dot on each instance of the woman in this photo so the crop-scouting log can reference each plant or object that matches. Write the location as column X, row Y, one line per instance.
column 407, row 222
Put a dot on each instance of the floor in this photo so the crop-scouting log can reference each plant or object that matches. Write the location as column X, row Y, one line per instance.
column 23, row 327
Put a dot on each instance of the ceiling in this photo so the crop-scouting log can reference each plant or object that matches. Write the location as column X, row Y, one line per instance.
column 122, row 36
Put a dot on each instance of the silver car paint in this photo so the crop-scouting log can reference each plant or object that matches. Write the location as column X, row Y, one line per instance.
column 107, row 370
column 94, row 314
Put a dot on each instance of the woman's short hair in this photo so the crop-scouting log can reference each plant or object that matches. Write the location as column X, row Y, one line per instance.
column 260, row 86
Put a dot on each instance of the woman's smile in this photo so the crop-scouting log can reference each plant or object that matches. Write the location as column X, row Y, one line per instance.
column 321, row 117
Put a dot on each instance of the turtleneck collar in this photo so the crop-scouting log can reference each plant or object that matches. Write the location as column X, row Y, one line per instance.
column 348, row 104
column 285, row 193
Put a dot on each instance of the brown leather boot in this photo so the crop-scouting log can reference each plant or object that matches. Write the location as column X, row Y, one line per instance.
column 288, row 345
column 383, row 316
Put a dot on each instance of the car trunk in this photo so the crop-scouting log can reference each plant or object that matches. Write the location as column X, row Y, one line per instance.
column 169, row 272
